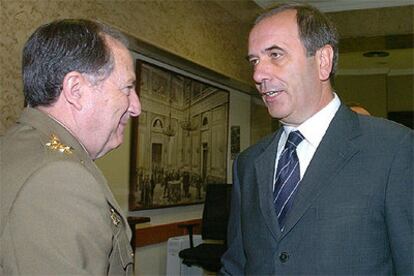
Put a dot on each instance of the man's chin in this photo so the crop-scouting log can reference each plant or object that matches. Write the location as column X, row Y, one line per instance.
column 115, row 142
column 119, row 140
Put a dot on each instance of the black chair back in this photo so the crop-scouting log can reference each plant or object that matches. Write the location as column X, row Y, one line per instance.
column 214, row 227
column 216, row 211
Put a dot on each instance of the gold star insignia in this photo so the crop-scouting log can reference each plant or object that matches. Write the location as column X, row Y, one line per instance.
column 55, row 144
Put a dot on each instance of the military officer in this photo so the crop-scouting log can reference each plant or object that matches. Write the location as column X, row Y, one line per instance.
column 58, row 215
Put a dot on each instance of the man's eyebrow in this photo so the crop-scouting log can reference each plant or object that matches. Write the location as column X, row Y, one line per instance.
column 273, row 47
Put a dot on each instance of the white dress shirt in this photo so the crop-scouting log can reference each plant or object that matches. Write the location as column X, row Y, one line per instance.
column 313, row 129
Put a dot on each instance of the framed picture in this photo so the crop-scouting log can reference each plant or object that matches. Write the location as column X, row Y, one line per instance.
column 179, row 142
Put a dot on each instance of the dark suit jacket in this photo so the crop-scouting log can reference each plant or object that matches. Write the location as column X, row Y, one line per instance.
column 352, row 214
column 58, row 215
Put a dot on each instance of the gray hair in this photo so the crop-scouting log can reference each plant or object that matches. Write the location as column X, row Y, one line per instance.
column 60, row 47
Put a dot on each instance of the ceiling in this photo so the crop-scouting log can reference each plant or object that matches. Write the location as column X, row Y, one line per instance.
column 364, row 25
column 343, row 5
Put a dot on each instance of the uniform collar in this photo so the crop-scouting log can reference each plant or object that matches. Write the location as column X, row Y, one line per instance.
column 50, row 126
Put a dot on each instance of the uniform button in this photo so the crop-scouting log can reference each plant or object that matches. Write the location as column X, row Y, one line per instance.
column 132, row 254
column 283, row 257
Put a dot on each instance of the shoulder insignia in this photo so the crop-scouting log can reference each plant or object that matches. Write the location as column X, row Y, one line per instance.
column 55, row 144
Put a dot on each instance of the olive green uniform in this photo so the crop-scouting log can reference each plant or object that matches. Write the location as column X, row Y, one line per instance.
column 58, row 215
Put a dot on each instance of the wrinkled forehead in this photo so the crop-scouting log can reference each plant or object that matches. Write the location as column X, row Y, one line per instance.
column 281, row 24
column 116, row 46
column 123, row 62
column 278, row 31
column 119, row 51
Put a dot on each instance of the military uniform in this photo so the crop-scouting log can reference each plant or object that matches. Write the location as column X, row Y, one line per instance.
column 58, row 215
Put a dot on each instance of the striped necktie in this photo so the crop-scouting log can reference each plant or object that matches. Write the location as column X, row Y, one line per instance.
column 287, row 177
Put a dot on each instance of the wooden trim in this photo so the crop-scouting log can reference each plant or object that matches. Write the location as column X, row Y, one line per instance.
column 148, row 235
column 133, row 221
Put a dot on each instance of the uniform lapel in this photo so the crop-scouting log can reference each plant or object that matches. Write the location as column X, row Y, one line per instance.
column 108, row 193
column 264, row 166
column 334, row 151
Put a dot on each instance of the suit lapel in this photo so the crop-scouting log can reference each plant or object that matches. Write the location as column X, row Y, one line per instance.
column 264, row 166
column 332, row 154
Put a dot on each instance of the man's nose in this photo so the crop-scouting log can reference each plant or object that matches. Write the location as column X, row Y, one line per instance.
column 261, row 72
column 134, row 105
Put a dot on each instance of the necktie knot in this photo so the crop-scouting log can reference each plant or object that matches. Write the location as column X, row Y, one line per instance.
column 294, row 139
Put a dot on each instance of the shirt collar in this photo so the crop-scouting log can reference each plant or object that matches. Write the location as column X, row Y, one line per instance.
column 314, row 128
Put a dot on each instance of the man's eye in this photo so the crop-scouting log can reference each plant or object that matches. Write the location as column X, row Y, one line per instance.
column 275, row 55
column 254, row 61
column 127, row 90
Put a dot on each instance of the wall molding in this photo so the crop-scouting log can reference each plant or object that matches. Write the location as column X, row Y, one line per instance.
column 375, row 71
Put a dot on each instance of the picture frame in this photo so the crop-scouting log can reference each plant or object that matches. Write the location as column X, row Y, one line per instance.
column 179, row 142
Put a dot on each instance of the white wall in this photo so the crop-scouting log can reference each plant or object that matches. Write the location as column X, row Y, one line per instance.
column 151, row 260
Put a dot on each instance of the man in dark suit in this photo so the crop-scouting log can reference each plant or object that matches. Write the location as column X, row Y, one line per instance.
column 331, row 193
column 58, row 215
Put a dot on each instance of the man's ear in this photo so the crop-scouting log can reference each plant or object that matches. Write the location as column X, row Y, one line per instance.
column 72, row 88
column 325, row 62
